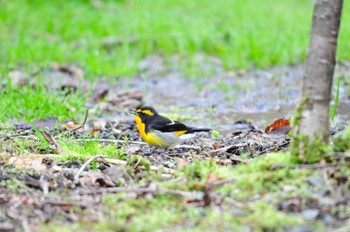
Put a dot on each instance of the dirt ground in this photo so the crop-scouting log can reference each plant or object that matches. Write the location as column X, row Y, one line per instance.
column 36, row 188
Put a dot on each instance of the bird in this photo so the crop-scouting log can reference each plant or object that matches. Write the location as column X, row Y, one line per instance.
column 159, row 131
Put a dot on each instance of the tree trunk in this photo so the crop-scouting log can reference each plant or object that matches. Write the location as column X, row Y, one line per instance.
column 318, row 77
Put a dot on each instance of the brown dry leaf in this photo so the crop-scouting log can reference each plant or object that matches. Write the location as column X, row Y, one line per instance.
column 96, row 179
column 280, row 126
column 29, row 162
column 95, row 131
column 215, row 146
column 70, row 69
column 213, row 178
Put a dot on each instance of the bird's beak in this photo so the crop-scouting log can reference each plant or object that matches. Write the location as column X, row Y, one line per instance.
column 133, row 111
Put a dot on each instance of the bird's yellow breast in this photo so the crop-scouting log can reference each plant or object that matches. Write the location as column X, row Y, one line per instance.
column 150, row 138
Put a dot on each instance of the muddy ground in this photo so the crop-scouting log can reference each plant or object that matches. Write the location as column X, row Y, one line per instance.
column 238, row 105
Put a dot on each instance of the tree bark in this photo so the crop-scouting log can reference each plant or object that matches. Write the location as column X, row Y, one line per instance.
column 318, row 77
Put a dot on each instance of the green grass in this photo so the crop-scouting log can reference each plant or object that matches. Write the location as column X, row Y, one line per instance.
column 82, row 151
column 243, row 34
column 29, row 104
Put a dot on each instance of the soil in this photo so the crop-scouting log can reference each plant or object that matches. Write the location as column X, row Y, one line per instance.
column 238, row 105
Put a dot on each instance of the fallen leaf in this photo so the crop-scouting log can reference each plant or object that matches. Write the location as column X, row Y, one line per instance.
column 28, row 162
column 212, row 178
column 95, row 131
column 215, row 146
column 280, row 126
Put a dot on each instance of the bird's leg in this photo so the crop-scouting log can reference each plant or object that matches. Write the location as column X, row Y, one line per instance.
column 153, row 150
column 150, row 151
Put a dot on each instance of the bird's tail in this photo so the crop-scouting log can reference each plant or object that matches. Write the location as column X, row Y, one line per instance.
column 192, row 130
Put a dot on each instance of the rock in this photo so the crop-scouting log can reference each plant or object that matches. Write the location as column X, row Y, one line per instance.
column 6, row 227
column 65, row 77
column 310, row 214
column 131, row 150
column 117, row 174
column 99, row 92
column 46, row 123
column 315, row 181
column 302, row 229
column 328, row 219
column 131, row 103
column 18, row 78
column 129, row 99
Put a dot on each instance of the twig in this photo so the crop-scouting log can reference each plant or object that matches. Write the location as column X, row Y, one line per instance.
column 237, row 158
column 167, row 170
column 142, row 190
column 44, row 185
column 272, row 148
column 84, row 122
column 213, row 184
column 124, row 163
column 76, row 177
column 51, row 140
column 225, row 149
column 339, row 154
column 187, row 147
column 152, row 168
column 32, row 137
column 70, row 202
column 111, row 141
column 312, row 166
column 138, row 162
column 180, row 193
column 116, row 161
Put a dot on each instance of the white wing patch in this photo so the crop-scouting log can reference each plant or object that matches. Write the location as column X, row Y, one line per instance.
column 172, row 123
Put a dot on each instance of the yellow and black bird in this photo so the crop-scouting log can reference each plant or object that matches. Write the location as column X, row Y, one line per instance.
column 158, row 130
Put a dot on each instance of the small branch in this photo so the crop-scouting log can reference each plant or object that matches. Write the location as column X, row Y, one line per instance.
column 76, row 177
column 84, row 122
column 225, row 149
column 116, row 161
column 111, row 141
column 312, row 166
column 272, row 148
column 142, row 190
column 51, row 140
column 222, row 182
column 237, row 158
column 339, row 155
column 197, row 148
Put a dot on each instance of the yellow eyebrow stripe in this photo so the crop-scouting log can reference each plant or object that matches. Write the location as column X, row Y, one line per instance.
column 148, row 112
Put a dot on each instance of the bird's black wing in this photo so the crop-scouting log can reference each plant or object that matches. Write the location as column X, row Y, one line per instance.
column 164, row 124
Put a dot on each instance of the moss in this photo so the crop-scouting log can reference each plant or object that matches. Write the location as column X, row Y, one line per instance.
column 138, row 161
column 296, row 120
column 304, row 150
column 341, row 141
